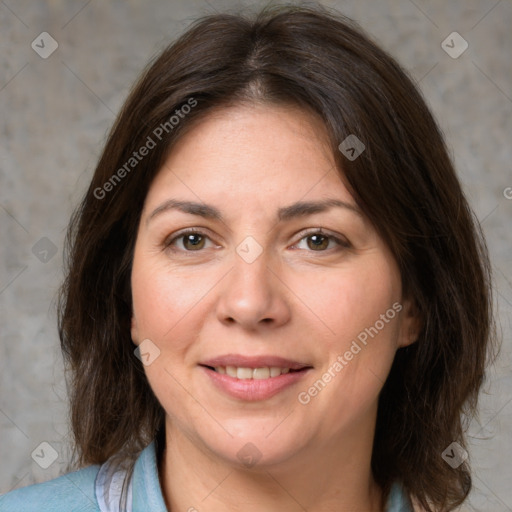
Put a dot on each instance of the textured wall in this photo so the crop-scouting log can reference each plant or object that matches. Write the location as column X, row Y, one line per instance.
column 55, row 115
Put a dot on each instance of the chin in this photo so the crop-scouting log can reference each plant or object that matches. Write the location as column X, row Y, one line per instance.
column 253, row 447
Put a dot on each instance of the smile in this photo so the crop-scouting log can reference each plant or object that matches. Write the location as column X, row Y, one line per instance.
column 253, row 384
column 265, row 372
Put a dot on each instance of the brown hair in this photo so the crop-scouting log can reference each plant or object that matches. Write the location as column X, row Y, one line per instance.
column 404, row 182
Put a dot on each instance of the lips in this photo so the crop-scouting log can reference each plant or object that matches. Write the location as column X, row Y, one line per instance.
column 253, row 378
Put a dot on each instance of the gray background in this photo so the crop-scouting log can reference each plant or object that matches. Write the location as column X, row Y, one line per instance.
column 55, row 116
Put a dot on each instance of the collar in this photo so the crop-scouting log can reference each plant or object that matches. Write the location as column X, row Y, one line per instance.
column 145, row 492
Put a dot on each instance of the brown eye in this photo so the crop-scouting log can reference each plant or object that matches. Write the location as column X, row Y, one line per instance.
column 193, row 241
column 317, row 242
column 188, row 241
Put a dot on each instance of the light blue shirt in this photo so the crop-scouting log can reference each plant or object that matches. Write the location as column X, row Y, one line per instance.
column 96, row 489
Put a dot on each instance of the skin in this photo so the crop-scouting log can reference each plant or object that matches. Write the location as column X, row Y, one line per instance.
column 295, row 300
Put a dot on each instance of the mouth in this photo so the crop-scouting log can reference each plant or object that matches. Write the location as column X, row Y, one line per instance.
column 246, row 373
column 253, row 378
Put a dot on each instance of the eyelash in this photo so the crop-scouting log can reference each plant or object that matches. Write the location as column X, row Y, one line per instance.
column 342, row 244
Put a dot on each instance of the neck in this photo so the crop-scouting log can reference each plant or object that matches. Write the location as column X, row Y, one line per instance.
column 319, row 479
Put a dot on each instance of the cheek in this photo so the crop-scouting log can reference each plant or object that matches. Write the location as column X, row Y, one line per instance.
column 360, row 346
column 351, row 303
column 165, row 299
column 348, row 301
column 169, row 311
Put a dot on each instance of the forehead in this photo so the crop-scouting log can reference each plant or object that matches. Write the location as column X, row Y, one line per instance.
column 252, row 152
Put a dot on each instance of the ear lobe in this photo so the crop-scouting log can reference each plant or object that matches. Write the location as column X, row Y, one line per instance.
column 411, row 324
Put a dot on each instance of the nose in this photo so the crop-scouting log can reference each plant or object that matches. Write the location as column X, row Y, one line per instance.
column 253, row 295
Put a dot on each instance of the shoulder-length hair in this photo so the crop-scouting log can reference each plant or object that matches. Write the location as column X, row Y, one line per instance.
column 404, row 182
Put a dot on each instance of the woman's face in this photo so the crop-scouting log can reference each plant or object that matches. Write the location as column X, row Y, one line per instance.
column 231, row 272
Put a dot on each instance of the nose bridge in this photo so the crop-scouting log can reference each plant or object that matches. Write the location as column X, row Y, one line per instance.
column 251, row 293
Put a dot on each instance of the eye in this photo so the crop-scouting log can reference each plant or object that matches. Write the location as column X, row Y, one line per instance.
column 195, row 241
column 320, row 241
column 188, row 241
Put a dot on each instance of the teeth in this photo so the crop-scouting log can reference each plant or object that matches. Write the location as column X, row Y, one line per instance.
column 244, row 373
column 231, row 371
column 251, row 373
column 275, row 371
column 261, row 373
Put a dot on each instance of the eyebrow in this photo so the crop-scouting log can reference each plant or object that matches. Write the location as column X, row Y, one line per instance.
column 299, row 209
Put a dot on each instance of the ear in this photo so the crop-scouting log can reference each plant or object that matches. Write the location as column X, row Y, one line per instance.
column 410, row 323
column 134, row 329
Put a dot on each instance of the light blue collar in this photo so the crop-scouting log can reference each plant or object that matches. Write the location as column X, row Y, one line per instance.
column 145, row 492
column 398, row 501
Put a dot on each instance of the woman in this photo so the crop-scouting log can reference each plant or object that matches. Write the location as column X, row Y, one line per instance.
column 277, row 295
